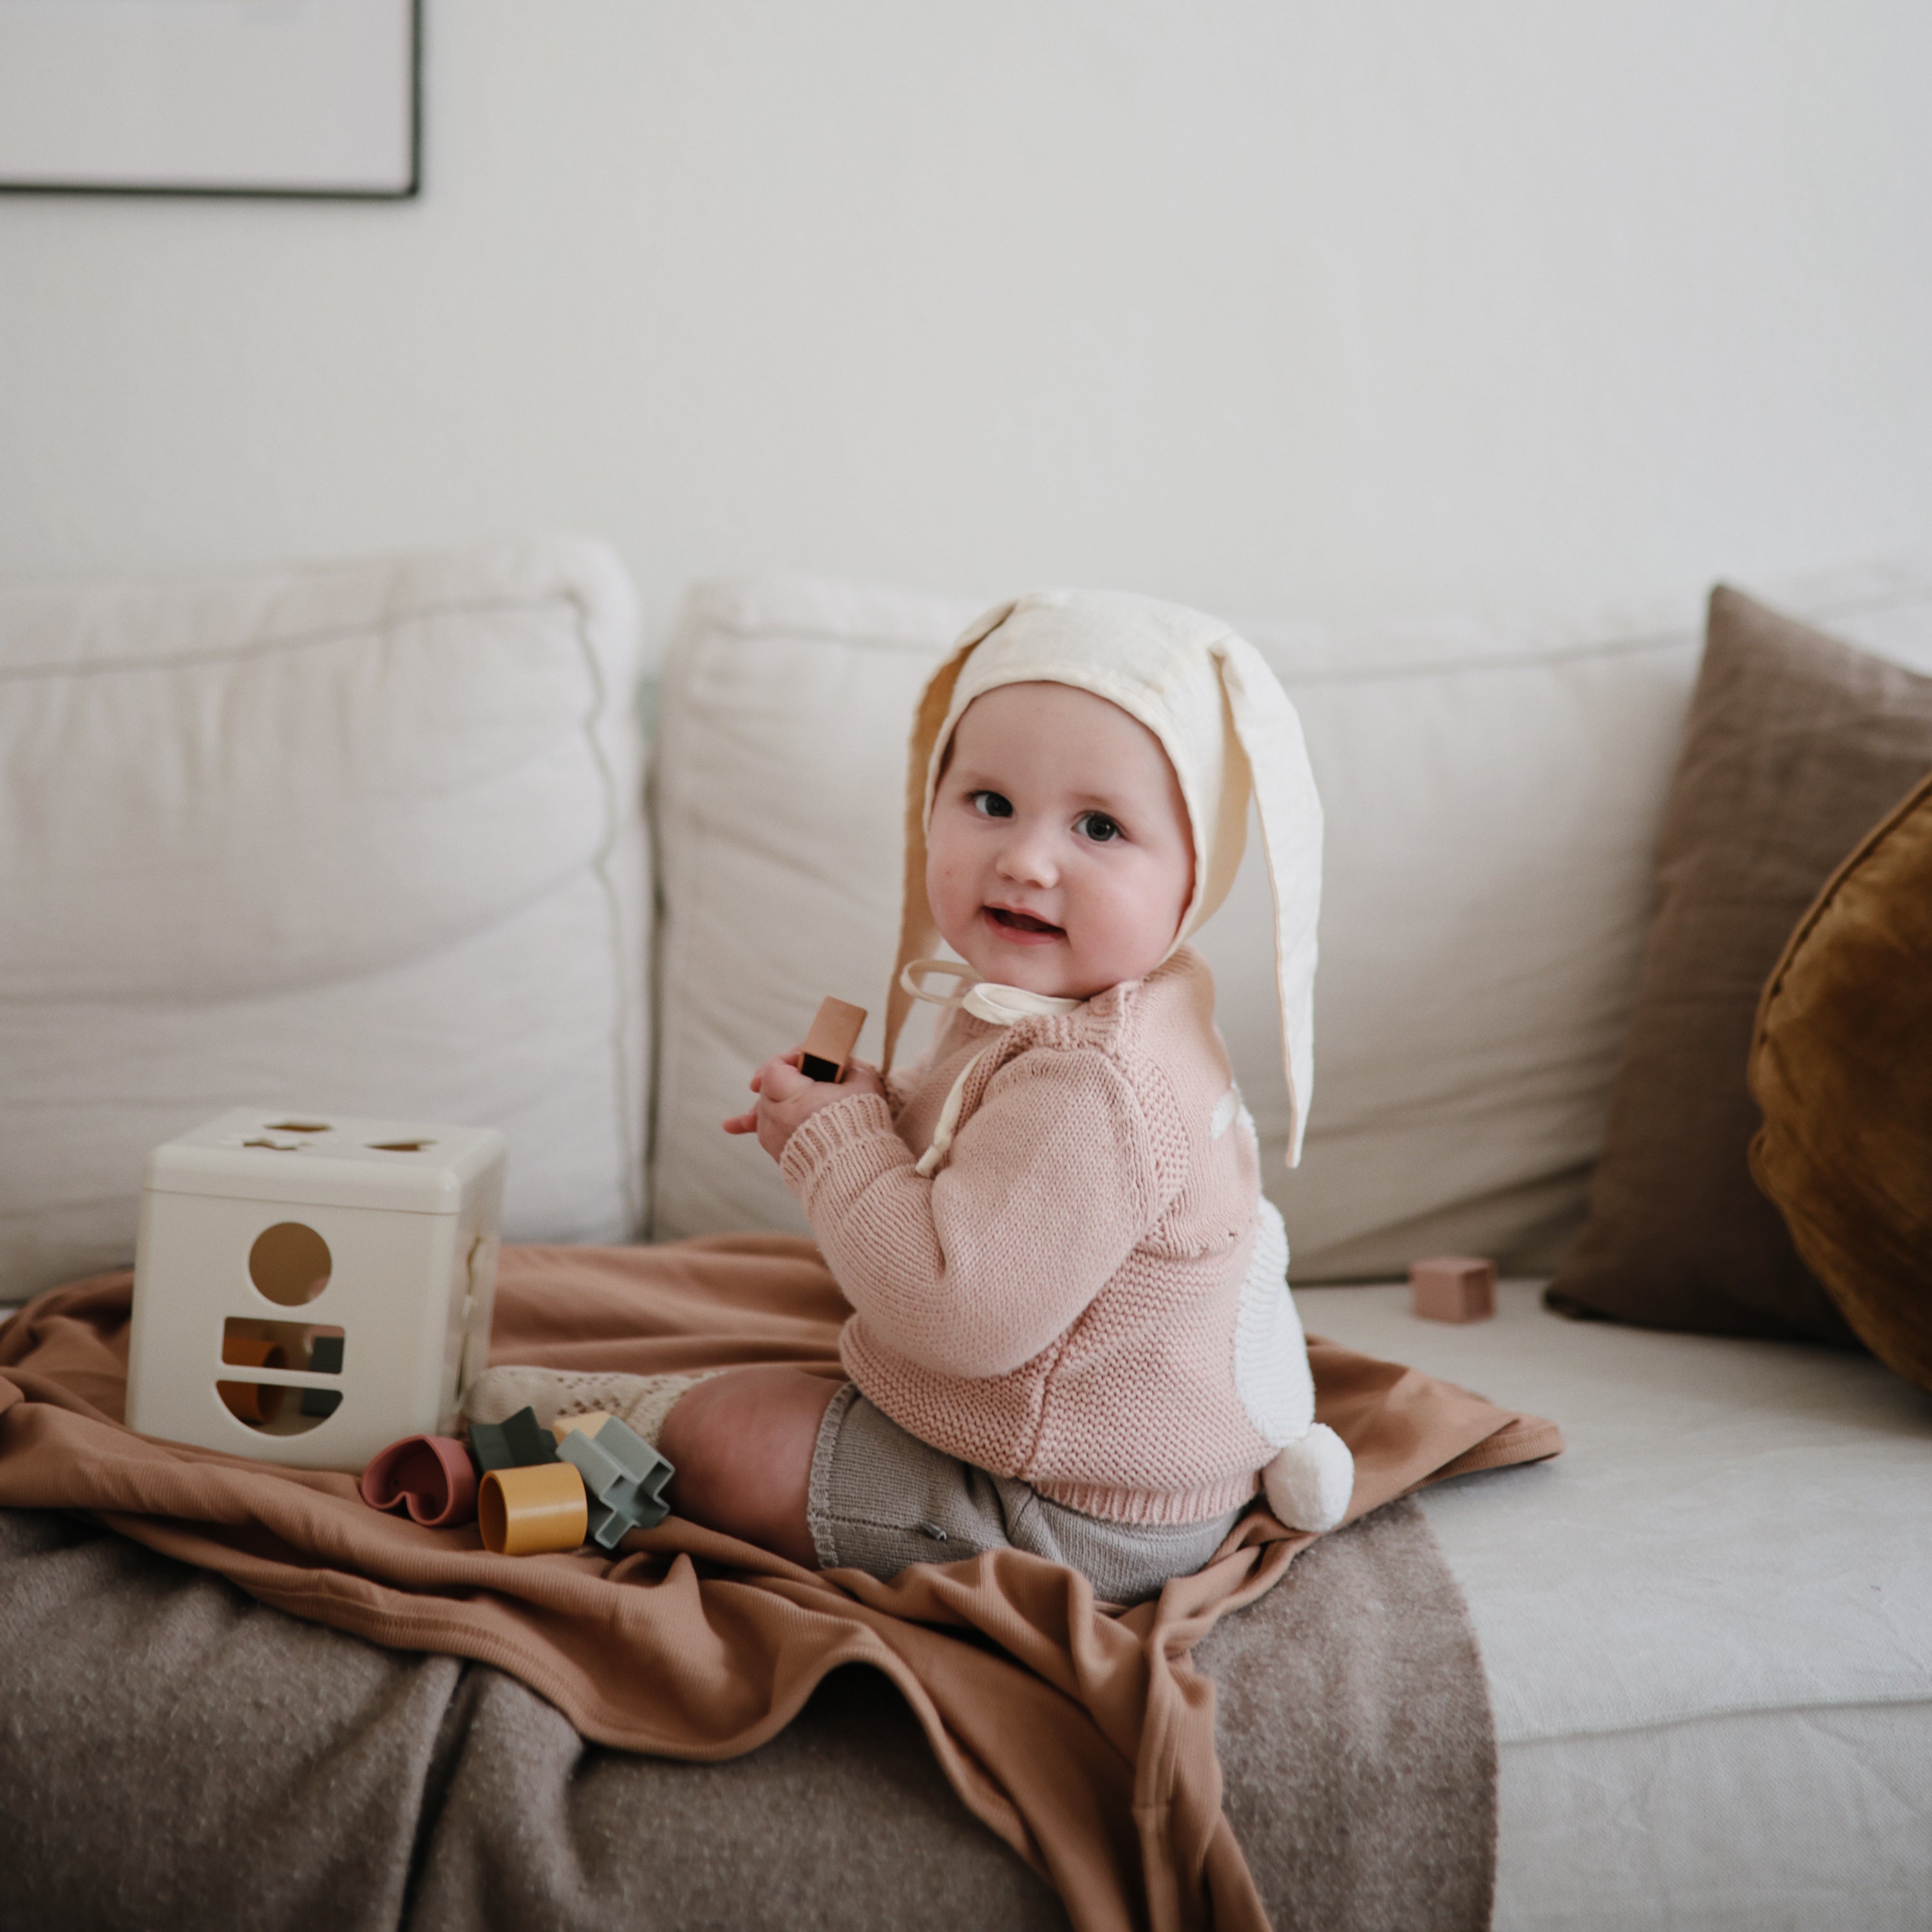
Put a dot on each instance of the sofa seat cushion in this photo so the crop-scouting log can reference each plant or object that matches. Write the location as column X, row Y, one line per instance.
column 1842, row 1067
column 1707, row 1625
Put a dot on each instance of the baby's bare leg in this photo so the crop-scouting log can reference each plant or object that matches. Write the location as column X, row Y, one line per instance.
column 742, row 1443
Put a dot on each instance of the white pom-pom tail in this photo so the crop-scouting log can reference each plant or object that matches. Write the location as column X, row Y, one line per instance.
column 1308, row 1483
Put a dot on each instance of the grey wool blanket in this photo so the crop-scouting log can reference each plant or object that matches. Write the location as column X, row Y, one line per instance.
column 175, row 1754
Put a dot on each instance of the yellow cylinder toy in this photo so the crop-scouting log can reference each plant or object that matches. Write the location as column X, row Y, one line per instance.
column 530, row 1512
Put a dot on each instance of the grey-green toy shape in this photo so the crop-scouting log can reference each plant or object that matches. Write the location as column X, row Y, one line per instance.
column 623, row 1479
column 519, row 1442
column 325, row 1358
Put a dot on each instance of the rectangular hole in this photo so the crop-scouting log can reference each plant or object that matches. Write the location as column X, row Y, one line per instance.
column 248, row 1341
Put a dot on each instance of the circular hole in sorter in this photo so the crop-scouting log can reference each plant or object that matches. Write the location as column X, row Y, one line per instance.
column 296, row 1126
column 290, row 1264
column 400, row 1147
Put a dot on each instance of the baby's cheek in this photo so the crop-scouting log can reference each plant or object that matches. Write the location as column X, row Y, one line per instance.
column 1134, row 928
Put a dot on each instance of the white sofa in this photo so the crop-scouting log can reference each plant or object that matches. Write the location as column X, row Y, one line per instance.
column 374, row 837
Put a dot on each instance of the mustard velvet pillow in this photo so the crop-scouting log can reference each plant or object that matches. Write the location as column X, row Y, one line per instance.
column 1841, row 1066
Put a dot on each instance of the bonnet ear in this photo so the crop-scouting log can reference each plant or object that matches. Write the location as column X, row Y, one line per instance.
column 1290, row 811
column 919, row 930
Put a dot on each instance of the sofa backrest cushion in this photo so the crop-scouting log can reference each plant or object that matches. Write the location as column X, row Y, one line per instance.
column 1796, row 745
column 367, row 837
column 1492, row 795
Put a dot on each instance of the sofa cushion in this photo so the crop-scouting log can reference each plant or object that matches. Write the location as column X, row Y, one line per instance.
column 1841, row 1067
column 1796, row 743
column 1493, row 794
column 367, row 837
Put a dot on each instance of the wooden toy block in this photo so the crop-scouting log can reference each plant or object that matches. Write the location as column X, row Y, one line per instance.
column 624, row 1477
column 431, row 1476
column 566, row 1425
column 1453, row 1288
column 383, row 1234
column 519, row 1442
column 835, row 1032
column 532, row 1510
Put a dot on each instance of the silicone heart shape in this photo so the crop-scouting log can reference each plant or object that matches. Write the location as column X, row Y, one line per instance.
column 431, row 1476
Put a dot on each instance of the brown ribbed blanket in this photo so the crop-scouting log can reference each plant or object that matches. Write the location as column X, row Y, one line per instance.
column 1084, row 1738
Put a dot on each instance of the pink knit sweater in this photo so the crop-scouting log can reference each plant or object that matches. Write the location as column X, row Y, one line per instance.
column 1058, row 1303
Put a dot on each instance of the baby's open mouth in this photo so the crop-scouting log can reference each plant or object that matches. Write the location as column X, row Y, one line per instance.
column 1018, row 922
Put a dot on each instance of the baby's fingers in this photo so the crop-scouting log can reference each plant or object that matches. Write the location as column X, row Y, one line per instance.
column 742, row 1124
column 784, row 1081
column 779, row 1060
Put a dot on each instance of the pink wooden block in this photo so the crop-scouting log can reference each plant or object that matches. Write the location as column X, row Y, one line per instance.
column 1453, row 1288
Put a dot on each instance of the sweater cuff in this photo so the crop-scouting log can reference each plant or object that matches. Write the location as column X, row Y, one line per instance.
column 858, row 1125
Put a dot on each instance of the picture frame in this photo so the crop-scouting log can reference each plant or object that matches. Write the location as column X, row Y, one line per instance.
column 308, row 99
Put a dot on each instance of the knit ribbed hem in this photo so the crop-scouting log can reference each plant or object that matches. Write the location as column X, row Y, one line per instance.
column 1152, row 1506
column 862, row 1121
column 818, row 1488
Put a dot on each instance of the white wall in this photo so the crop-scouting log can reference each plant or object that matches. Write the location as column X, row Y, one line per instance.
column 1273, row 305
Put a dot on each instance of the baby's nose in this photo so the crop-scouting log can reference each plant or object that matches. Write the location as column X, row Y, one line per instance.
column 1028, row 856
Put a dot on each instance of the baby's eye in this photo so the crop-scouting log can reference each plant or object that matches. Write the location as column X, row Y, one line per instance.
column 1097, row 826
column 991, row 804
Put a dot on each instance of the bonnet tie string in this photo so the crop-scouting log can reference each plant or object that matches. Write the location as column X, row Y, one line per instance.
column 985, row 1000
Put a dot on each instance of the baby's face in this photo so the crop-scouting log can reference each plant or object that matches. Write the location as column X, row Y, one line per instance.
column 1060, row 857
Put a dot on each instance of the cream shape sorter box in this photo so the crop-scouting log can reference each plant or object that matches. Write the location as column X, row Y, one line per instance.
column 309, row 1288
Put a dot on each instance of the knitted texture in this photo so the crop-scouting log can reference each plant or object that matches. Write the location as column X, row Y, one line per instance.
column 640, row 1402
column 1058, row 1303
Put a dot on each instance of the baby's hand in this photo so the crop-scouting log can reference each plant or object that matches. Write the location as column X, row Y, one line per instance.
column 787, row 1099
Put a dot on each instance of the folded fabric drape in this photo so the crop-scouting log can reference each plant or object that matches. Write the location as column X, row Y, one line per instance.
column 1083, row 1737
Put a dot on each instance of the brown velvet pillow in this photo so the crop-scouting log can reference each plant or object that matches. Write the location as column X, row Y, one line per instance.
column 1796, row 745
column 1842, row 1067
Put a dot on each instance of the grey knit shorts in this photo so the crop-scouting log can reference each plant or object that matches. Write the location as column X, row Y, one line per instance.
column 881, row 1498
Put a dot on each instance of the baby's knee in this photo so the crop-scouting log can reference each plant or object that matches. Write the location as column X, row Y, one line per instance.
column 759, row 1412
column 741, row 1444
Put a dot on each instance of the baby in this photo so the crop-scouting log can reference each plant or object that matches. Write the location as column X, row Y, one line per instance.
column 1072, row 1333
